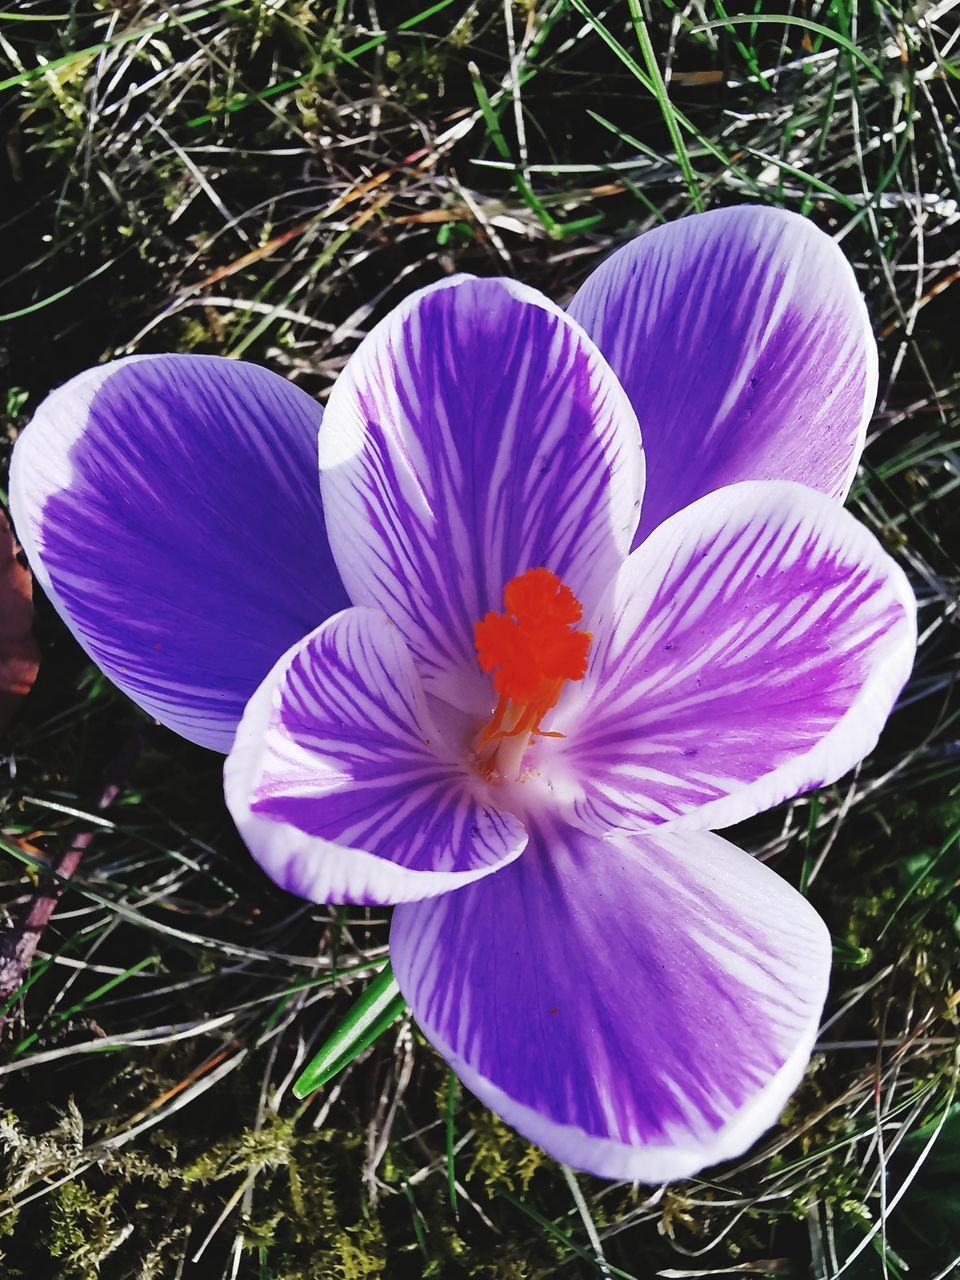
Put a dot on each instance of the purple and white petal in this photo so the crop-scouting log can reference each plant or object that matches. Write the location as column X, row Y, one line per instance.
column 170, row 507
column 343, row 784
column 475, row 434
column 743, row 342
column 755, row 646
column 641, row 1007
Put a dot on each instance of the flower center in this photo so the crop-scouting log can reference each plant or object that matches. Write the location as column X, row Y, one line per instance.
column 531, row 650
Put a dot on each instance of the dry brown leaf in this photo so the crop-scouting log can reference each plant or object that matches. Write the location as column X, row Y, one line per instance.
column 19, row 655
column 697, row 77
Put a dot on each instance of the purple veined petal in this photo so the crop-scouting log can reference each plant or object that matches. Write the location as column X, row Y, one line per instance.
column 641, row 1007
column 754, row 648
column 170, row 507
column 475, row 434
column 741, row 338
column 344, row 786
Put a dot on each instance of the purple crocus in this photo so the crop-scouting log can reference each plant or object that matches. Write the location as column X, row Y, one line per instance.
column 515, row 669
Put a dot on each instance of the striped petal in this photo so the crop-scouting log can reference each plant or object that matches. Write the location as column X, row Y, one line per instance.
column 344, row 786
column 640, row 1007
column 170, row 507
column 755, row 646
column 742, row 340
column 476, row 433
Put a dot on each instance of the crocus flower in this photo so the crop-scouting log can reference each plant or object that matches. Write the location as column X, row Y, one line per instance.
column 514, row 671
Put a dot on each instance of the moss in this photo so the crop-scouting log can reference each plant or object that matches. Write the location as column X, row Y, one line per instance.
column 84, row 1229
column 496, row 1153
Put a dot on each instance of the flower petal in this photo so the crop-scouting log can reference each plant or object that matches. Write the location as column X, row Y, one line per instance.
column 342, row 783
column 171, row 509
column 743, row 342
column 641, row 1007
column 756, row 644
column 475, row 434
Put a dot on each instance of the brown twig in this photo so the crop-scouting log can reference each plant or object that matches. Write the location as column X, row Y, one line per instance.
column 18, row 944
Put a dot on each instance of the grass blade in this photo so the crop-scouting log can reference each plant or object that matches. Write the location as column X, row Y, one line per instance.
column 377, row 1009
column 659, row 89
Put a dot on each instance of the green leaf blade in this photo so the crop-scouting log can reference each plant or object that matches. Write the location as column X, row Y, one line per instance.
column 378, row 1008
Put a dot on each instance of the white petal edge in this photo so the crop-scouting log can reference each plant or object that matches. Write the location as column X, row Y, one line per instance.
column 338, row 873
column 854, row 736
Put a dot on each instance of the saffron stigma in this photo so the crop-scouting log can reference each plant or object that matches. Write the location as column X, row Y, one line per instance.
column 531, row 650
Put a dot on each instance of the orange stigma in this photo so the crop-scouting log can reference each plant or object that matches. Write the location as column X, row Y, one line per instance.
column 532, row 650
